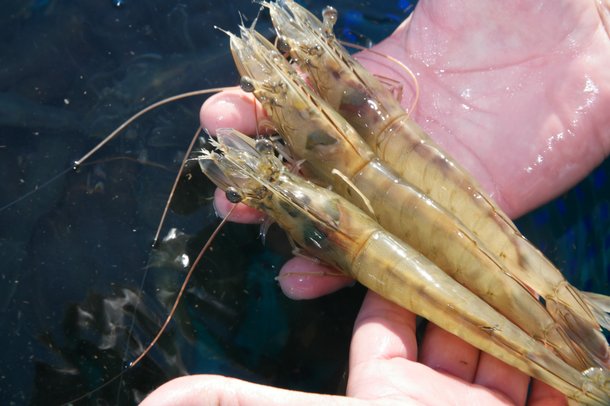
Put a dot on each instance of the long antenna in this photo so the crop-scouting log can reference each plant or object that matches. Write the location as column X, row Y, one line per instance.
column 169, row 316
column 175, row 185
column 140, row 113
column 183, row 287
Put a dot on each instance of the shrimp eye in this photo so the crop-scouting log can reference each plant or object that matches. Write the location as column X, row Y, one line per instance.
column 264, row 146
column 329, row 18
column 233, row 195
column 283, row 45
column 246, row 84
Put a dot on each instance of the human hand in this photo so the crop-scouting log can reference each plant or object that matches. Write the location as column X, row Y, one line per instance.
column 385, row 367
column 525, row 146
column 522, row 99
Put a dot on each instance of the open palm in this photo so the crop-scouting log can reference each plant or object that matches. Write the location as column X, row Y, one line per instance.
column 518, row 93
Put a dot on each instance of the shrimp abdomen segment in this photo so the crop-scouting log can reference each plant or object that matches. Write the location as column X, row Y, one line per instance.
column 408, row 279
column 417, row 220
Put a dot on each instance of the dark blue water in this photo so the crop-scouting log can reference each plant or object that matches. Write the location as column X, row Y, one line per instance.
column 74, row 254
column 574, row 231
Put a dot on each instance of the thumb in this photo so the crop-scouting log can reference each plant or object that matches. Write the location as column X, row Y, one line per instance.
column 203, row 390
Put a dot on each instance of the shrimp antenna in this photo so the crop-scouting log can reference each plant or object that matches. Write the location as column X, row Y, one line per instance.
column 183, row 287
column 169, row 316
column 78, row 163
column 395, row 61
column 36, row 189
column 140, row 113
column 175, row 185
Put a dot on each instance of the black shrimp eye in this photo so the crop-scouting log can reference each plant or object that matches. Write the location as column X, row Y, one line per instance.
column 246, row 84
column 233, row 195
column 264, row 146
column 283, row 45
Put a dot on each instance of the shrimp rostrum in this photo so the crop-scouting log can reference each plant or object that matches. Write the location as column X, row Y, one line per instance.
column 328, row 227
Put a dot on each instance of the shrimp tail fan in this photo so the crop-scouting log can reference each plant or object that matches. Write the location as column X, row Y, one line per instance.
column 600, row 306
column 590, row 341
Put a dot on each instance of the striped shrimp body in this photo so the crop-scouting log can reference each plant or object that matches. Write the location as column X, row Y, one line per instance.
column 317, row 134
column 332, row 229
column 375, row 114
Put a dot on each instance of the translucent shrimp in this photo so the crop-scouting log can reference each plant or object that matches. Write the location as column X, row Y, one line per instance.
column 328, row 145
column 375, row 114
column 330, row 228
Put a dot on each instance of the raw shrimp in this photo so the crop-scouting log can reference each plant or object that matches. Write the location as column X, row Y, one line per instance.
column 332, row 229
column 317, row 134
column 378, row 117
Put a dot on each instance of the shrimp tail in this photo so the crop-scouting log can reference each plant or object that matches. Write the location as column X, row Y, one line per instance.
column 600, row 306
column 592, row 343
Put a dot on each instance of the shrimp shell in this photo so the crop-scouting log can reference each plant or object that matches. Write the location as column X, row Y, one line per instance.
column 332, row 229
column 327, row 143
column 375, row 114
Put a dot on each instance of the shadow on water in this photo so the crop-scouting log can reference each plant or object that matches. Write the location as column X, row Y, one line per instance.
column 74, row 254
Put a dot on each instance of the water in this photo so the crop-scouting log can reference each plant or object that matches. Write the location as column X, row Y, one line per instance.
column 74, row 254
column 573, row 231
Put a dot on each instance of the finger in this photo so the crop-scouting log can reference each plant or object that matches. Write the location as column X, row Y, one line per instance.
column 231, row 109
column 542, row 394
column 239, row 110
column 383, row 362
column 383, row 331
column 301, row 278
column 449, row 354
column 201, row 390
column 241, row 214
column 495, row 374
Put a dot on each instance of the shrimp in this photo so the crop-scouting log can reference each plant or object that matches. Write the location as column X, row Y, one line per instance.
column 334, row 230
column 317, row 134
column 375, row 114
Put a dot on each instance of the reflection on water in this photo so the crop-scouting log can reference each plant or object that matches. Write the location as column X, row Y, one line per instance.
column 81, row 291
